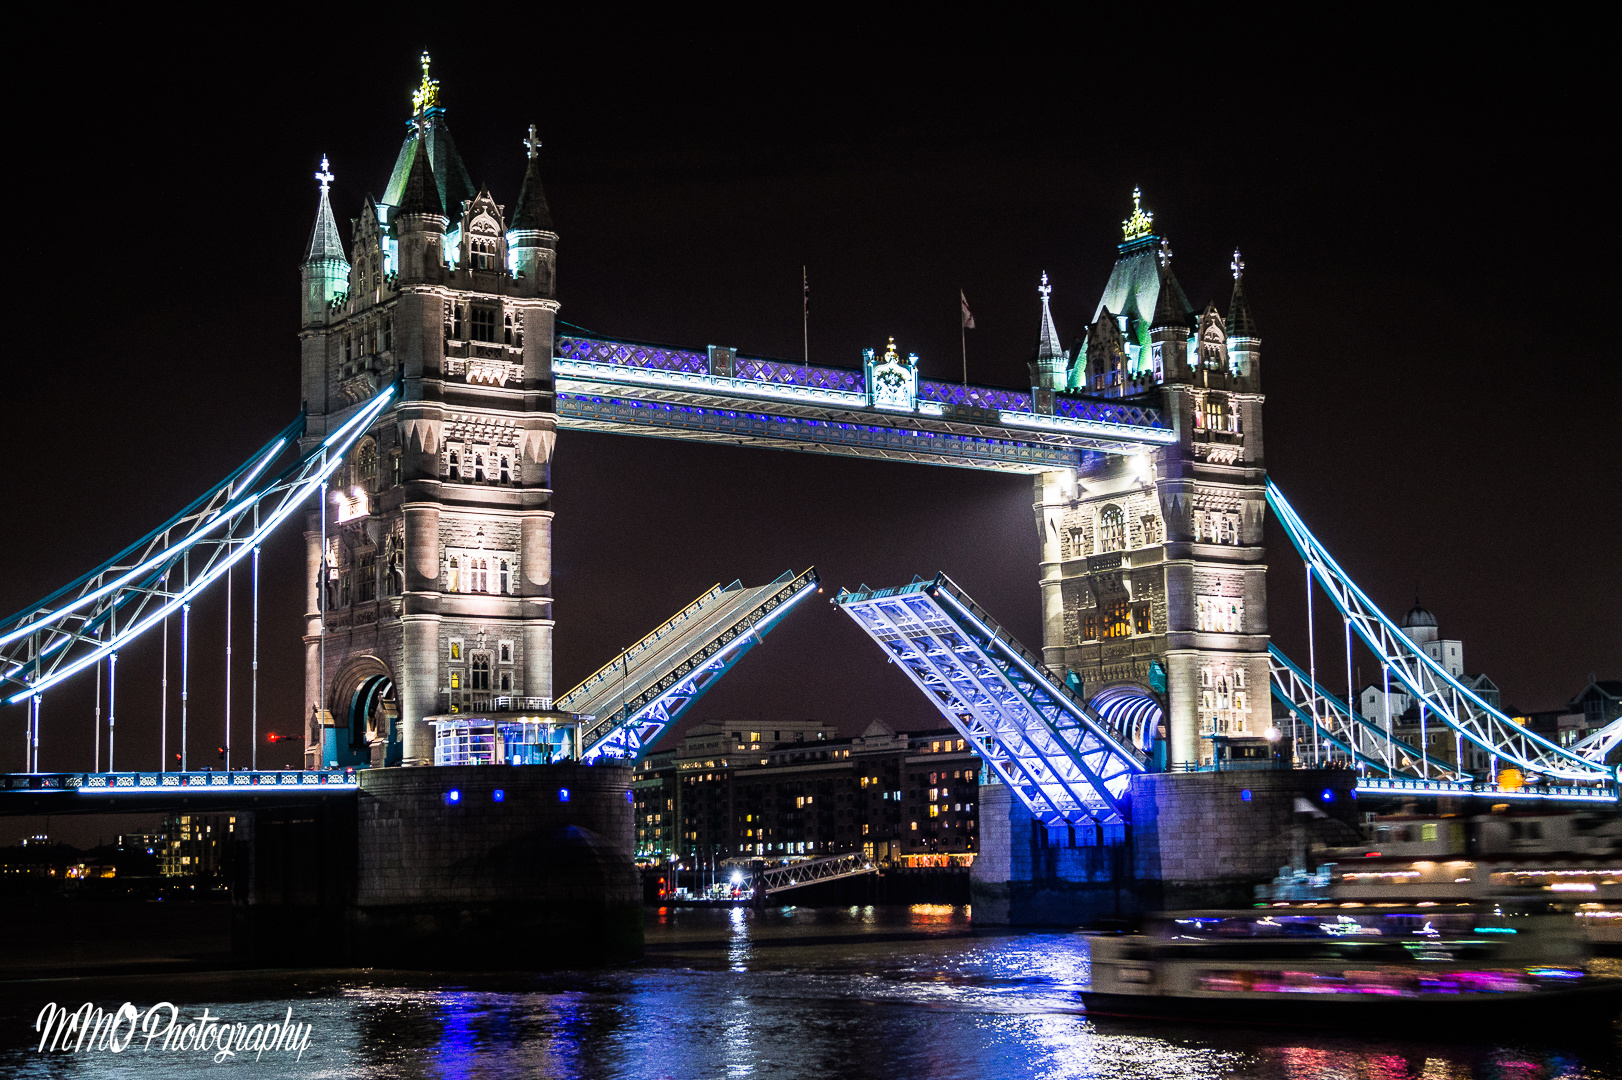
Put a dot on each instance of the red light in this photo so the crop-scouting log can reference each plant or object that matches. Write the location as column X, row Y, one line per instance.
column 1371, row 854
column 272, row 736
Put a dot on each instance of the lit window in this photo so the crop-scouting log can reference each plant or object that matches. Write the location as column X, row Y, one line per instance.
column 453, row 583
column 1115, row 622
column 456, row 650
column 1141, row 621
column 456, row 679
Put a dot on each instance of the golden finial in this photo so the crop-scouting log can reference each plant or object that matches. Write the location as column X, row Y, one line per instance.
column 426, row 96
column 1141, row 223
column 890, row 356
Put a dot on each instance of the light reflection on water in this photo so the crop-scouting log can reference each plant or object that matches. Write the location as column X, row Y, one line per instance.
column 791, row 992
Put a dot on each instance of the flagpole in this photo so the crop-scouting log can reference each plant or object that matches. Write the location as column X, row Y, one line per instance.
column 963, row 334
column 805, row 313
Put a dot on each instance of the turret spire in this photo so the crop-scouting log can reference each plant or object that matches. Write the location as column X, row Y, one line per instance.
column 1240, row 324
column 1047, row 343
column 325, row 243
column 532, row 212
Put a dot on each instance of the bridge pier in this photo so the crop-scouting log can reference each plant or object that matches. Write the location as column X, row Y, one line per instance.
column 462, row 867
column 1202, row 839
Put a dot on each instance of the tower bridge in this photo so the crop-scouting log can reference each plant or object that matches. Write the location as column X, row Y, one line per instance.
column 435, row 382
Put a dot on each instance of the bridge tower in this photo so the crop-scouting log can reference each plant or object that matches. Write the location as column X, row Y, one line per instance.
column 429, row 579
column 1153, row 573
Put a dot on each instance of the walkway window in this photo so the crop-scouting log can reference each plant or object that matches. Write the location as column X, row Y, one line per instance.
column 1116, row 624
column 1112, row 529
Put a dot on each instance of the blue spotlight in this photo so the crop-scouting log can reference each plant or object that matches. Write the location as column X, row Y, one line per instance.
column 563, row 794
column 498, row 795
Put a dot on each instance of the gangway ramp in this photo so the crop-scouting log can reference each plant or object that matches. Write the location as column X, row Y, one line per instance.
column 647, row 687
column 813, row 871
column 1064, row 761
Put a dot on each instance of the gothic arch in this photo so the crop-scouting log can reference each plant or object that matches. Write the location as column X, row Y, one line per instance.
column 357, row 697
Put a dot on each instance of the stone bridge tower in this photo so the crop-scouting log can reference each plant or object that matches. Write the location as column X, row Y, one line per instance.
column 1153, row 572
column 430, row 579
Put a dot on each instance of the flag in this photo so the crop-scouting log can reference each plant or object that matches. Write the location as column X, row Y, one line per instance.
column 968, row 319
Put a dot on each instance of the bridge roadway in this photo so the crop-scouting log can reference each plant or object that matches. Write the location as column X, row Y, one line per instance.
column 883, row 410
column 23, row 794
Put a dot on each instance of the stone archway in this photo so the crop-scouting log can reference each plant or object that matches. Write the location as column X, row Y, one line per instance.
column 364, row 709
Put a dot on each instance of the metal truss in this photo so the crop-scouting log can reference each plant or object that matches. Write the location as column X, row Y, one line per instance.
column 795, row 875
column 646, row 688
column 637, row 389
column 1366, row 744
column 1443, row 696
column 1597, row 745
column 621, row 411
column 160, row 573
column 1410, row 787
column 1062, row 760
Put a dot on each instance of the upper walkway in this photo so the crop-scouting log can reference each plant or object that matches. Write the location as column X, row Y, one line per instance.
column 882, row 410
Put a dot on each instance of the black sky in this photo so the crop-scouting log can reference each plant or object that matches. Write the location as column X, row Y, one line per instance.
column 1428, row 229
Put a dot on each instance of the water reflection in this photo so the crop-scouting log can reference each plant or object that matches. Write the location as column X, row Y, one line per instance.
column 801, row 992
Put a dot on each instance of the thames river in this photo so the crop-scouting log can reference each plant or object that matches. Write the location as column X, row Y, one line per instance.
column 792, row 992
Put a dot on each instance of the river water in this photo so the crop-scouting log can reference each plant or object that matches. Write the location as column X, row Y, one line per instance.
column 791, row 992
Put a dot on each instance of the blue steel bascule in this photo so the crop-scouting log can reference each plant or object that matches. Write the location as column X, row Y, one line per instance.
column 435, row 384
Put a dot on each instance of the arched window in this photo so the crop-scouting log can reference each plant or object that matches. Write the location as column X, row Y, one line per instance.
column 455, row 466
column 453, row 576
column 481, row 576
column 506, row 469
column 503, row 582
column 1111, row 529
column 478, row 468
column 481, row 671
column 366, row 464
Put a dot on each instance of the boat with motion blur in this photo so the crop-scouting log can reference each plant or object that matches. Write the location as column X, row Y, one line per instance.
column 1332, row 965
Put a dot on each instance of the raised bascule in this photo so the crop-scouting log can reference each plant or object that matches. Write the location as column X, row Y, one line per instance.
column 435, row 382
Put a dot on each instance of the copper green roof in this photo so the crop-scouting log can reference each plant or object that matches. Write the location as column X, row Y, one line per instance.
column 1133, row 289
column 451, row 179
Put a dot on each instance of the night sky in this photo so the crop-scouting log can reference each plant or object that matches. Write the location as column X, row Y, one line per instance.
column 1429, row 252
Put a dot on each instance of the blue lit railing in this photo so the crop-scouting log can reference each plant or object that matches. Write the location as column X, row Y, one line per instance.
column 120, row 783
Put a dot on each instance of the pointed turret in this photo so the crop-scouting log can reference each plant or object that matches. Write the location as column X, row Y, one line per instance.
column 1244, row 345
column 532, row 239
column 325, row 271
column 419, row 222
column 1169, row 328
column 419, row 194
column 1052, row 363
